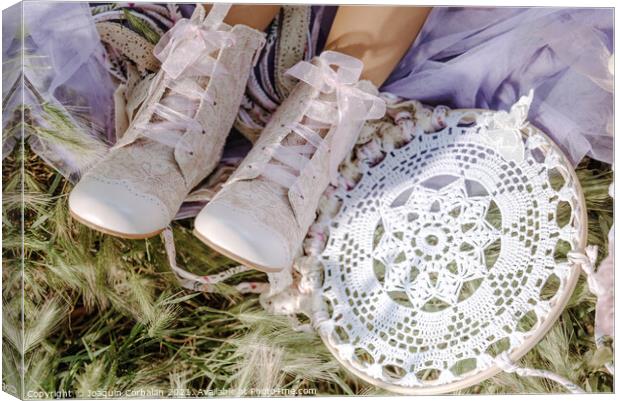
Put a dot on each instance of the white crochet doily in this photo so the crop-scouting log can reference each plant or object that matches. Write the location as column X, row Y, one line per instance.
column 447, row 258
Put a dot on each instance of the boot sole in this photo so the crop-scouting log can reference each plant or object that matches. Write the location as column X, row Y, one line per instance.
column 234, row 257
column 110, row 232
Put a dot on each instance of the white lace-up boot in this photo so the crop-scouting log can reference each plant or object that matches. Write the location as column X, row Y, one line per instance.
column 263, row 212
column 178, row 133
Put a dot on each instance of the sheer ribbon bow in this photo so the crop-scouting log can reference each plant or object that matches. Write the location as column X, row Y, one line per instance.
column 338, row 73
column 188, row 46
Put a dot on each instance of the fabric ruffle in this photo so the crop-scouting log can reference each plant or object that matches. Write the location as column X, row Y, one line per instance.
column 67, row 89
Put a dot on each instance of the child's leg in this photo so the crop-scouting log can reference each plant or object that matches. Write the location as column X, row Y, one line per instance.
column 256, row 16
column 377, row 35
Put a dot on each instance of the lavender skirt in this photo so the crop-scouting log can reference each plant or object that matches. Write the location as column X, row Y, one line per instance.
column 463, row 58
column 489, row 57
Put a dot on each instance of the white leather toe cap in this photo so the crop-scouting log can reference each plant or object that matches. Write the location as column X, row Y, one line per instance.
column 112, row 207
column 239, row 235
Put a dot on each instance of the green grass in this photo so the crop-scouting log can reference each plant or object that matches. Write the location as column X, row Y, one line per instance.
column 107, row 314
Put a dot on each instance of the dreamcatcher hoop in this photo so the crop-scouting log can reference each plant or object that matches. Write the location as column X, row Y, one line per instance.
column 499, row 135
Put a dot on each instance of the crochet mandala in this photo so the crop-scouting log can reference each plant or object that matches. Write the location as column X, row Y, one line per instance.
column 449, row 253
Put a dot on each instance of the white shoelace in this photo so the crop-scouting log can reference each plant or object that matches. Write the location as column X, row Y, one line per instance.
column 175, row 114
column 188, row 53
column 294, row 153
column 342, row 107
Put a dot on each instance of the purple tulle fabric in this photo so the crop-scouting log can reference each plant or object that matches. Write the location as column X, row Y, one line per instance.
column 63, row 67
column 65, row 39
column 489, row 57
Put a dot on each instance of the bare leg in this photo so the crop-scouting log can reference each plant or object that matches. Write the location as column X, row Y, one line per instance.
column 255, row 15
column 377, row 35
